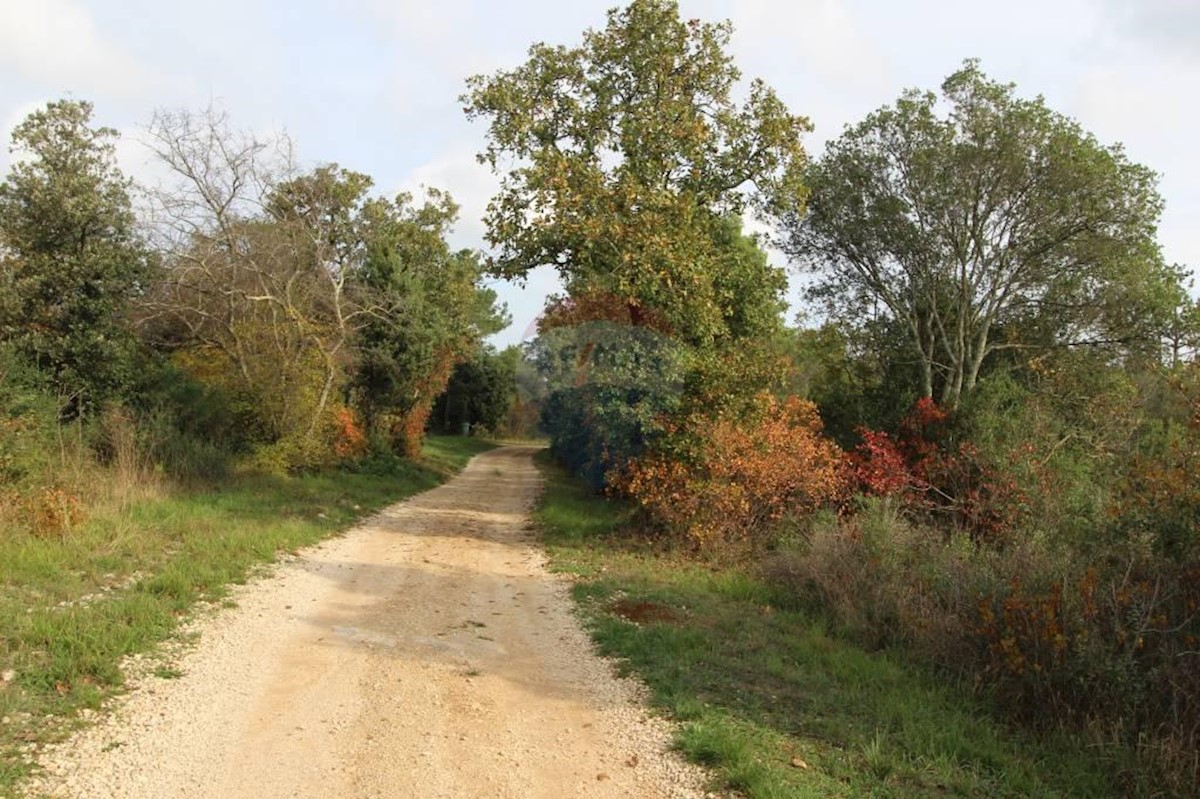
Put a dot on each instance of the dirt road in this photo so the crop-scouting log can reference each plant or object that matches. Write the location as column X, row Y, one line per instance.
column 426, row 653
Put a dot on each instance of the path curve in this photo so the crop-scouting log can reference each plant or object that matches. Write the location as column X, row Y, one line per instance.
column 426, row 653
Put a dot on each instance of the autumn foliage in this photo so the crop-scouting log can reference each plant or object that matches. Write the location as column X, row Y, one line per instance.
column 350, row 440
column 600, row 306
column 744, row 477
column 937, row 476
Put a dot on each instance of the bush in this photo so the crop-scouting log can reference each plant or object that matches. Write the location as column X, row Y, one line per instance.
column 939, row 476
column 1109, row 644
column 43, row 466
column 28, row 431
column 744, row 476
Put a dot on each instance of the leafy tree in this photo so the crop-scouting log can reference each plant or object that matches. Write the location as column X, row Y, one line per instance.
column 1180, row 331
column 981, row 222
column 258, row 291
column 481, row 391
column 631, row 159
column 433, row 314
column 300, row 292
column 632, row 167
column 70, row 254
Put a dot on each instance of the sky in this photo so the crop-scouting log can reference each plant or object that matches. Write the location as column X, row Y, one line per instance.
column 373, row 85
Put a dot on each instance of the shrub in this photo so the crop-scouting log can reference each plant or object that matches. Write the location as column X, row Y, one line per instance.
column 938, row 476
column 1159, row 499
column 744, row 476
column 1103, row 643
column 52, row 511
column 350, row 439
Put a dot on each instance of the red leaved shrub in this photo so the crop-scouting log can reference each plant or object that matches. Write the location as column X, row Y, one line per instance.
column 350, row 440
column 938, row 477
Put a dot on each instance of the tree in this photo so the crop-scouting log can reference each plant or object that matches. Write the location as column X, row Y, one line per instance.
column 71, row 257
column 982, row 222
column 433, row 315
column 480, row 392
column 260, row 263
column 631, row 158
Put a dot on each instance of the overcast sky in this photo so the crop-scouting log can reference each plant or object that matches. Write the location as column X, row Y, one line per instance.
column 373, row 84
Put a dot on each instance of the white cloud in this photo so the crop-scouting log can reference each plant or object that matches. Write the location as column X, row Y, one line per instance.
column 1139, row 103
column 56, row 43
column 1174, row 24
column 824, row 34
column 470, row 183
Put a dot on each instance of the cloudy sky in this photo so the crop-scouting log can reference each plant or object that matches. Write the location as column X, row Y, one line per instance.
column 373, row 84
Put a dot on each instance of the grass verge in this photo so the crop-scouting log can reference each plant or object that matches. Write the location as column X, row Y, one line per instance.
column 775, row 705
column 71, row 608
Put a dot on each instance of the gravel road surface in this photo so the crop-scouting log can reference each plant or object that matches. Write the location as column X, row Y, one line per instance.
column 426, row 653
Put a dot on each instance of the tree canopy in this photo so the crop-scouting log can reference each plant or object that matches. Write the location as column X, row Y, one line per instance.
column 981, row 221
column 71, row 257
column 629, row 154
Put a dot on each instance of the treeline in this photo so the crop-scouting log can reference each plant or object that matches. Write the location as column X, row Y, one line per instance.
column 986, row 453
column 246, row 312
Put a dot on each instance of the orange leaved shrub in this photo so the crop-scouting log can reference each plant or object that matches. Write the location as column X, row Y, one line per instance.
column 743, row 476
column 350, row 439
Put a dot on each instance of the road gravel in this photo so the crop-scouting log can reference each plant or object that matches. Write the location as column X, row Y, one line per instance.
column 425, row 653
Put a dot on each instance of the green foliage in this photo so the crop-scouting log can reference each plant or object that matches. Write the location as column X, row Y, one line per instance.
column 610, row 388
column 189, row 429
column 434, row 314
column 1158, row 499
column 633, row 165
column 28, row 425
column 980, row 222
column 481, row 391
column 620, row 379
column 70, row 255
column 259, row 297
column 631, row 158
column 294, row 294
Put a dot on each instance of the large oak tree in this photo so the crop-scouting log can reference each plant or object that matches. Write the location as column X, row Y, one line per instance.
column 621, row 160
column 627, row 162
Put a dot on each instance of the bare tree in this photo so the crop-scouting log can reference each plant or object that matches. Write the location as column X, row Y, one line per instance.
column 258, row 261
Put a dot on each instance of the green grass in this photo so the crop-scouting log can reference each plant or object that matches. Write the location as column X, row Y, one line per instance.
column 768, row 699
column 71, row 609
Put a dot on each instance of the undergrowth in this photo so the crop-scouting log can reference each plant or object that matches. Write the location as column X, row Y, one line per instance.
column 767, row 697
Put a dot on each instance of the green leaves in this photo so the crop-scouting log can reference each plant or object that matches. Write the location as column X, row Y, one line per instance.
column 980, row 213
column 629, row 154
column 432, row 312
column 70, row 255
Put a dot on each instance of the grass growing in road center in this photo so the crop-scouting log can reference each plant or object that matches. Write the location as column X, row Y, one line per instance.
column 72, row 607
column 775, row 705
